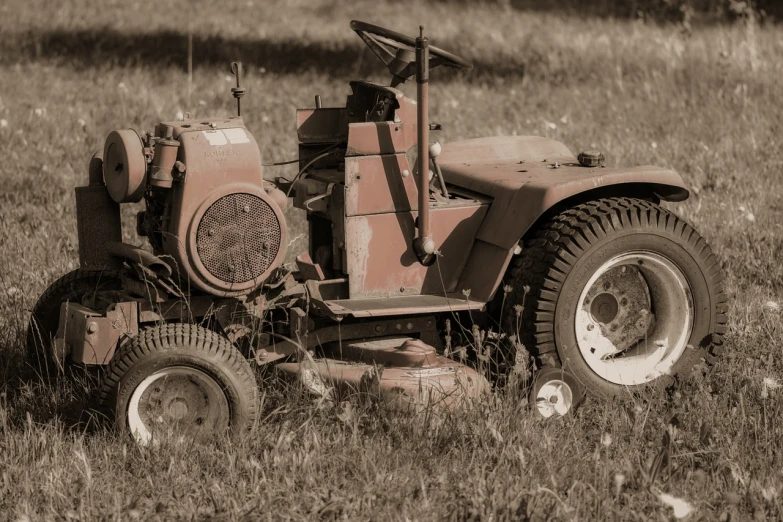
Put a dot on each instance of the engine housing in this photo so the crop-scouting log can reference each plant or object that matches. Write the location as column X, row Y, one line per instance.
column 220, row 224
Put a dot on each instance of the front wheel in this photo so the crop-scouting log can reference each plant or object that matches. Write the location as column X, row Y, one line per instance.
column 179, row 379
column 621, row 293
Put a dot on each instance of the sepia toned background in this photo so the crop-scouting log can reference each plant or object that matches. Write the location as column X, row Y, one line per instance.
column 692, row 85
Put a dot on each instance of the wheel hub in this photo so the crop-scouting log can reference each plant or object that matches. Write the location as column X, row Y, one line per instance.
column 178, row 408
column 177, row 400
column 634, row 318
column 554, row 398
column 617, row 311
column 604, row 308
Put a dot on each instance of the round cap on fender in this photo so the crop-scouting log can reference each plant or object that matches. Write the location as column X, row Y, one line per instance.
column 591, row 158
column 124, row 166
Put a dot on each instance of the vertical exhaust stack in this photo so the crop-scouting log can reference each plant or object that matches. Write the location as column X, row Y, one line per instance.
column 423, row 245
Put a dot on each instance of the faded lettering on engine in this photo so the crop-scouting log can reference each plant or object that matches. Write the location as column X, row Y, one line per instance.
column 220, row 154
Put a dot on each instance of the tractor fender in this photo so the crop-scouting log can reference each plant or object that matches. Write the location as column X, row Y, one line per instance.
column 527, row 177
column 512, row 214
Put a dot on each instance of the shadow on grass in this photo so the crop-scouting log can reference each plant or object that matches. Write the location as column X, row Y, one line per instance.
column 704, row 12
column 103, row 47
column 32, row 393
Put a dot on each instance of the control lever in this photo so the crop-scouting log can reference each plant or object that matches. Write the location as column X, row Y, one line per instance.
column 435, row 150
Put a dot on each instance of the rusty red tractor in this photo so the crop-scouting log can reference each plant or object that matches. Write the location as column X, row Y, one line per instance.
column 507, row 249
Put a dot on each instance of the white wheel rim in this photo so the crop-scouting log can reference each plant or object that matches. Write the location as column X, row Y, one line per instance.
column 177, row 400
column 554, row 398
column 634, row 318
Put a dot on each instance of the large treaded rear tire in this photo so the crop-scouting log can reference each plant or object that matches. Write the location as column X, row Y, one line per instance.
column 558, row 258
column 186, row 346
column 45, row 317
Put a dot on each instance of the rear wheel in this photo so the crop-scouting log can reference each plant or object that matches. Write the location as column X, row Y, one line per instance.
column 621, row 293
column 179, row 379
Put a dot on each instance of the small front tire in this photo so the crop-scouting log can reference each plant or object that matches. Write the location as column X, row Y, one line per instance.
column 179, row 379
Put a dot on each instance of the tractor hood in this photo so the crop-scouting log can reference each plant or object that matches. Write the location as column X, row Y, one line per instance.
column 527, row 175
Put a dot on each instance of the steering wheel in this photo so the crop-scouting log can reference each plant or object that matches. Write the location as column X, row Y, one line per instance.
column 398, row 52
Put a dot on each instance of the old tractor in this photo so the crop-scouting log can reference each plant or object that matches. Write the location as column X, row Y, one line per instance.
column 508, row 249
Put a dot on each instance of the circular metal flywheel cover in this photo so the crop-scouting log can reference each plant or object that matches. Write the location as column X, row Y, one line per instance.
column 238, row 238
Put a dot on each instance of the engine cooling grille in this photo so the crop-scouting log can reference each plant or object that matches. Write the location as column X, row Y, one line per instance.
column 238, row 238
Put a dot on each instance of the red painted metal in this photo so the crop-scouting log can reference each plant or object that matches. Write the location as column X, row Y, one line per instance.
column 382, row 262
column 379, row 185
column 222, row 160
column 423, row 244
column 401, row 372
column 526, row 175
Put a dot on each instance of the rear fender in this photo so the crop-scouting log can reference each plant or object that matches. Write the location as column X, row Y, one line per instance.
column 511, row 217
column 513, row 213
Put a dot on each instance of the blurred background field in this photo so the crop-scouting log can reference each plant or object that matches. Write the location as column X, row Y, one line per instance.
column 690, row 85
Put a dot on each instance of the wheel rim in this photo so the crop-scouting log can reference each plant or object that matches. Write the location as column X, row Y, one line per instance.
column 634, row 318
column 176, row 401
column 554, row 397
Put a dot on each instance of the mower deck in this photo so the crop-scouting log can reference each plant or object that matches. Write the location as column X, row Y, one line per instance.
column 404, row 373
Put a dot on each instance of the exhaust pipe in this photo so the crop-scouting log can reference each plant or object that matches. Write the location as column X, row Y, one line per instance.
column 423, row 245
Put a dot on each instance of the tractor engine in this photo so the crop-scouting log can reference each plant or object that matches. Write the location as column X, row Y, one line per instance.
column 208, row 208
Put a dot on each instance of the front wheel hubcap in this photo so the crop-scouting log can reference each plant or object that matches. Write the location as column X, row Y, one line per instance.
column 177, row 401
column 634, row 318
column 554, row 398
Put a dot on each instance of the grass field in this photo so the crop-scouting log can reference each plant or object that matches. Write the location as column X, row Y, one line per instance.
column 705, row 102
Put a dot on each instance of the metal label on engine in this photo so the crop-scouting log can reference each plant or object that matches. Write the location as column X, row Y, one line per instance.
column 218, row 137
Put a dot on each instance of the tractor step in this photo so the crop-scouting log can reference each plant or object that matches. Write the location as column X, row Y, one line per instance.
column 402, row 305
column 421, row 378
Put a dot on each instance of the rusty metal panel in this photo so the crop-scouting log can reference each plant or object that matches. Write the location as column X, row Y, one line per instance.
column 484, row 270
column 379, row 185
column 443, row 384
column 98, row 223
column 328, row 125
column 384, row 137
column 89, row 337
column 526, row 175
column 394, row 351
column 381, row 261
